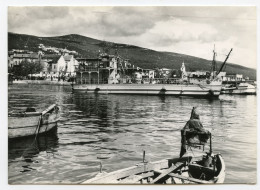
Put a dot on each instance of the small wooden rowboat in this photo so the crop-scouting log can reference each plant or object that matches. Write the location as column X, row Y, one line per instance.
column 205, row 169
column 172, row 171
column 31, row 122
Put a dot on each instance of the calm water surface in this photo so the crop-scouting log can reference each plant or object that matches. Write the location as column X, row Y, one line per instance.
column 115, row 129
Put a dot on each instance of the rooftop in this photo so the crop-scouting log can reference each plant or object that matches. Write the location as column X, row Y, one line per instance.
column 67, row 57
column 88, row 59
column 22, row 56
column 50, row 56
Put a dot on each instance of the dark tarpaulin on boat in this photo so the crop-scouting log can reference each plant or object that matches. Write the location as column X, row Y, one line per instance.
column 193, row 132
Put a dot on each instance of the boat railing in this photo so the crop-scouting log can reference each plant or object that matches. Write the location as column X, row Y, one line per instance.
column 127, row 80
column 91, row 81
column 86, row 69
column 166, row 81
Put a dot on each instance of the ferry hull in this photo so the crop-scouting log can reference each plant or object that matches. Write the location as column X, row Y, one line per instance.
column 150, row 89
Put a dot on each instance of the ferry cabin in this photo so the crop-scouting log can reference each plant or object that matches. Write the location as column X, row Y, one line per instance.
column 96, row 70
column 110, row 69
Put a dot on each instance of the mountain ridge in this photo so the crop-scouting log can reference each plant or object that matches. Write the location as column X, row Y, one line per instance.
column 139, row 56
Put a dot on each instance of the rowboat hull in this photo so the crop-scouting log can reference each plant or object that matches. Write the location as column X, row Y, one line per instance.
column 28, row 128
column 148, row 173
column 29, row 124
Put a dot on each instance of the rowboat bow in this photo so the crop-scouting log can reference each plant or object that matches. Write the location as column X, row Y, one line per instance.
column 31, row 123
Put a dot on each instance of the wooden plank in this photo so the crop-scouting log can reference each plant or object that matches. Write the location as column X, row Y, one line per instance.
column 136, row 178
column 48, row 109
column 166, row 172
column 163, row 170
column 112, row 176
column 189, row 179
column 150, row 166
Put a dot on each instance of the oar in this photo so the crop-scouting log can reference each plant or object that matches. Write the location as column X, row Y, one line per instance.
column 166, row 172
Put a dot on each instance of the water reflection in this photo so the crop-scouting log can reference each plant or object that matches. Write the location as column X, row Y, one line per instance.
column 115, row 129
column 162, row 98
column 29, row 148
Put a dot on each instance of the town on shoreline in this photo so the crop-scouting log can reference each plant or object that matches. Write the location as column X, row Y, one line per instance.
column 51, row 65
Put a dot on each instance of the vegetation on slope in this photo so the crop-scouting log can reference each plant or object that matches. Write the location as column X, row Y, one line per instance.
column 141, row 57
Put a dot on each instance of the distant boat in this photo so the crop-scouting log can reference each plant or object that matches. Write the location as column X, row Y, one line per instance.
column 205, row 169
column 241, row 88
column 31, row 123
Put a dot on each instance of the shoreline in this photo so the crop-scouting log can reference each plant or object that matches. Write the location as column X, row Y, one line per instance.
column 42, row 82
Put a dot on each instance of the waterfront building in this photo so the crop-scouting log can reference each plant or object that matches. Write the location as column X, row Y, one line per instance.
column 53, row 65
column 148, row 73
column 103, row 69
column 199, row 74
column 109, row 69
column 70, row 64
column 165, row 72
column 233, row 77
column 18, row 58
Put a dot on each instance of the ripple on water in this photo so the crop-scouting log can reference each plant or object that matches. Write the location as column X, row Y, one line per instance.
column 115, row 130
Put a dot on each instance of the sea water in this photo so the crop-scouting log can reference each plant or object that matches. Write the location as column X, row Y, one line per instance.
column 114, row 130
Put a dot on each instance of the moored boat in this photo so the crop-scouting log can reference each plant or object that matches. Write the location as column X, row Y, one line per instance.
column 207, row 168
column 105, row 75
column 31, row 123
column 212, row 89
column 241, row 88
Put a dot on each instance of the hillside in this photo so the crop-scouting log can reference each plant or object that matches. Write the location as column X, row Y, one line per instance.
column 141, row 57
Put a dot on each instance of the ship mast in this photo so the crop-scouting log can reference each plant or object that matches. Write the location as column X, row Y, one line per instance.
column 224, row 62
column 214, row 63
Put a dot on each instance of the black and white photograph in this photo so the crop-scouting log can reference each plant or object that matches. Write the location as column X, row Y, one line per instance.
column 128, row 95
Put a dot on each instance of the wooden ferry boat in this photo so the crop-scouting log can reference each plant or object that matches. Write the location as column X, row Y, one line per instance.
column 31, row 122
column 91, row 72
column 212, row 89
column 205, row 169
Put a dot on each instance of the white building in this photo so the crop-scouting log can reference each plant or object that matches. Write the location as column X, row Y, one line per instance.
column 67, row 63
column 234, row 77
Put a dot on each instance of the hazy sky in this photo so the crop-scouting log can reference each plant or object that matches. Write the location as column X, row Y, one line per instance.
column 187, row 30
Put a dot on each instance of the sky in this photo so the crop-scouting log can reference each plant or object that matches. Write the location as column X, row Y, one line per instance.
column 187, row 30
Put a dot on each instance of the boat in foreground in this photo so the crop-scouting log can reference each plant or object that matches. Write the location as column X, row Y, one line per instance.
column 31, row 122
column 207, row 168
column 171, row 171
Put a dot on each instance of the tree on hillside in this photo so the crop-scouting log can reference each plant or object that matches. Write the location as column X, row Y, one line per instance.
column 26, row 67
column 175, row 73
column 158, row 73
column 106, row 46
